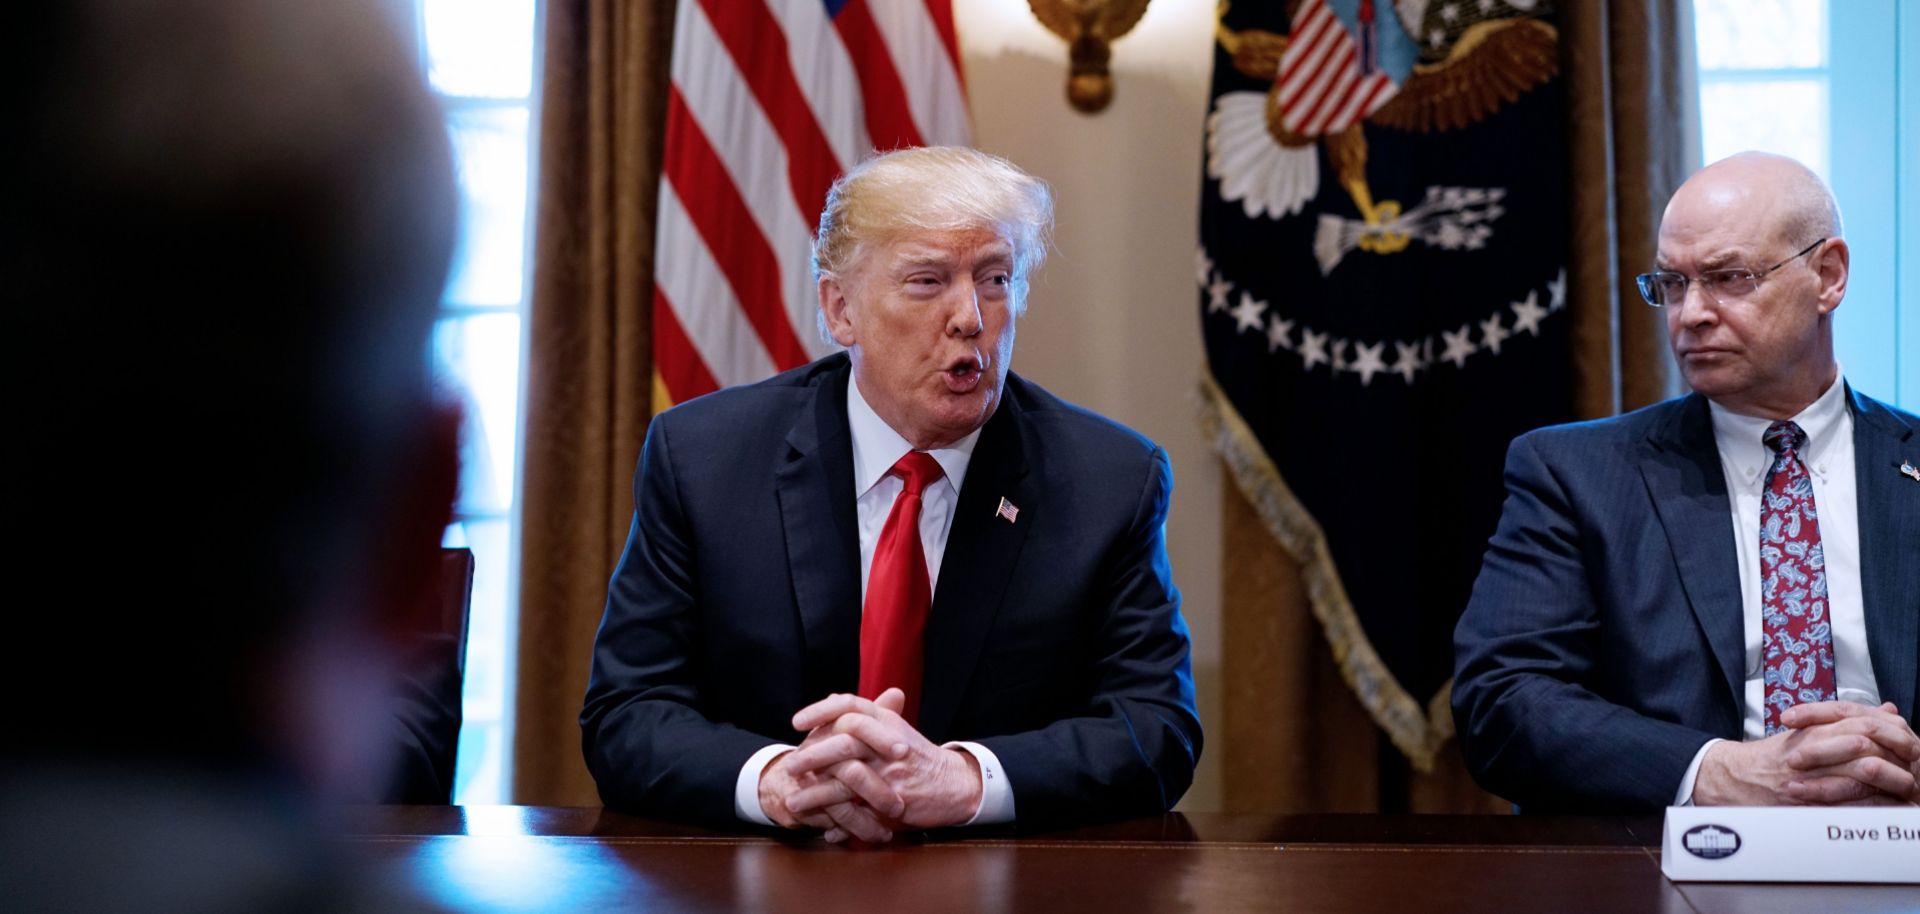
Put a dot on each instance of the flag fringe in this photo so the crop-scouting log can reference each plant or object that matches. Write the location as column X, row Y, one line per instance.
column 1417, row 732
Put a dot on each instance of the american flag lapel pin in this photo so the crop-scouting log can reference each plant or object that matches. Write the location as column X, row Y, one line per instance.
column 1007, row 510
column 1906, row 469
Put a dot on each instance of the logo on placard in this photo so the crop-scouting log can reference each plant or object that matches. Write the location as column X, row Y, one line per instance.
column 1710, row 842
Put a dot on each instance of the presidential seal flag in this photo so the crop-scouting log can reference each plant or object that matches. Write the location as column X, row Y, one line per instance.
column 1382, row 274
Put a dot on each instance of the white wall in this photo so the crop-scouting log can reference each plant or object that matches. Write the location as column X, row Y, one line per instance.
column 1114, row 320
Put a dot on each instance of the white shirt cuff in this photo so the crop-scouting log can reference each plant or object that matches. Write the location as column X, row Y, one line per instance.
column 996, row 793
column 746, row 788
column 1684, row 796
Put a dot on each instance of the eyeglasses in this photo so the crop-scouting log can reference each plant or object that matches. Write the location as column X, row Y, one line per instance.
column 1669, row 288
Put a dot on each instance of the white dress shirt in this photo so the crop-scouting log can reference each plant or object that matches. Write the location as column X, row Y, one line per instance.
column 1828, row 455
column 876, row 448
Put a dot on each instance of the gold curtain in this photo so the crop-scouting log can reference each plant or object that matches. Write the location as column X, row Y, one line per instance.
column 1632, row 102
column 1629, row 70
column 589, row 361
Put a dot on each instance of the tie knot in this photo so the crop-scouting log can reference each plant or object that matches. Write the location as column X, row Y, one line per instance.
column 917, row 469
column 1784, row 437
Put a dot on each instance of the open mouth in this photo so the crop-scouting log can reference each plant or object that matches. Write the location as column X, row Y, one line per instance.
column 963, row 375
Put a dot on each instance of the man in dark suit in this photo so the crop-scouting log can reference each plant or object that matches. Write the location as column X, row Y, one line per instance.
column 1713, row 600
column 953, row 585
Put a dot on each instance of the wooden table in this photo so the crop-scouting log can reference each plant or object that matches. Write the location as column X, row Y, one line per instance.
column 510, row 858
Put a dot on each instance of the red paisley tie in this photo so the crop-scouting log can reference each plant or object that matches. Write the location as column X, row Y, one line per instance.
column 1796, row 641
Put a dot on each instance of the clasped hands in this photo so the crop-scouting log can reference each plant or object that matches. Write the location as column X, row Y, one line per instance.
column 864, row 772
column 1833, row 753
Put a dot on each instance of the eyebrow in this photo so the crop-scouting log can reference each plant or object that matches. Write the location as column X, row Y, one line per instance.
column 1723, row 260
column 941, row 257
column 1720, row 260
column 926, row 258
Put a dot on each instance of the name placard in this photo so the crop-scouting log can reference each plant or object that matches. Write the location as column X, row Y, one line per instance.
column 1791, row 844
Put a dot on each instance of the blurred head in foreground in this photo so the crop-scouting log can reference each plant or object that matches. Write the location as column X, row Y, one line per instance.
column 226, row 228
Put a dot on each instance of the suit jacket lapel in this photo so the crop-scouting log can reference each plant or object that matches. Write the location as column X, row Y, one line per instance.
column 1889, row 509
column 815, row 490
column 1689, row 493
column 981, row 550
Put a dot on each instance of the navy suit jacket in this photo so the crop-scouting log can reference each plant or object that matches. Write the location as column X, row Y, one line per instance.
column 1604, row 643
column 1054, row 640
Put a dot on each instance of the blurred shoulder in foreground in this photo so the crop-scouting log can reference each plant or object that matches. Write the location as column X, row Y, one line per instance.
column 226, row 230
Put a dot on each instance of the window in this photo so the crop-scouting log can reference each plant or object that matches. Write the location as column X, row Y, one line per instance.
column 479, row 59
column 1837, row 86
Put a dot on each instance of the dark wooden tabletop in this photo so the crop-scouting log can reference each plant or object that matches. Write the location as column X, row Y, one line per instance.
column 510, row 858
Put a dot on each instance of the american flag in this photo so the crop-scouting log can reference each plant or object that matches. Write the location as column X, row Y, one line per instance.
column 1327, row 82
column 770, row 101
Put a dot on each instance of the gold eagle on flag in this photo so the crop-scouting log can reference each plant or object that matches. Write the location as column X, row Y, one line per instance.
column 1474, row 56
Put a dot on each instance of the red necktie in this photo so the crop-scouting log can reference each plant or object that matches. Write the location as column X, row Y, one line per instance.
column 898, row 592
column 1796, row 635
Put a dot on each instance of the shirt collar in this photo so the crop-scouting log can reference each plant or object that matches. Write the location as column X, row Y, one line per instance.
column 877, row 447
column 1738, row 436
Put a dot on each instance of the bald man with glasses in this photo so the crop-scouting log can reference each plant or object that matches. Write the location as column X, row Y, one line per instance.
column 1713, row 600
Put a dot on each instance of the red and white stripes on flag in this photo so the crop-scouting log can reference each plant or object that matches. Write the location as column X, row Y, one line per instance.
column 770, row 101
column 1326, row 82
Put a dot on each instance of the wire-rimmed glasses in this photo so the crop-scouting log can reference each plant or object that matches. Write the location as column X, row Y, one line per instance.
column 1666, row 287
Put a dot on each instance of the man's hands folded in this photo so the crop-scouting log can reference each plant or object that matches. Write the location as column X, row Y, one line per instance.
column 864, row 772
column 1834, row 752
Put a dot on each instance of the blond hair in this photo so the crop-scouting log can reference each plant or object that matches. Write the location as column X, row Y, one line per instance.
column 937, row 188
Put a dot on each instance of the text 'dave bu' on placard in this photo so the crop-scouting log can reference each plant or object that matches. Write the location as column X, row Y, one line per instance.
column 1791, row 844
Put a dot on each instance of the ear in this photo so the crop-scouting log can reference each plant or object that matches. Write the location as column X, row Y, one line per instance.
column 329, row 694
column 405, row 572
column 1831, row 263
column 836, row 304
